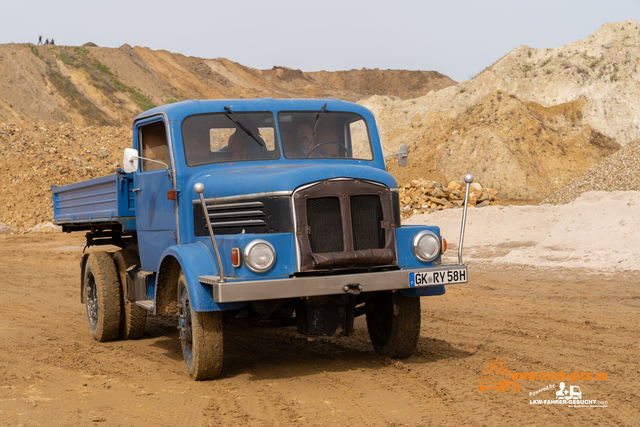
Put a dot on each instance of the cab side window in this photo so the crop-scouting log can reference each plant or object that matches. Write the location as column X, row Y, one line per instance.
column 153, row 140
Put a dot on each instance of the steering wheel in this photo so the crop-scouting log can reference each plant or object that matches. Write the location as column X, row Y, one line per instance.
column 346, row 150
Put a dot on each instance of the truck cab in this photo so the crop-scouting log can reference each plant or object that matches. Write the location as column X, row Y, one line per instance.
column 254, row 212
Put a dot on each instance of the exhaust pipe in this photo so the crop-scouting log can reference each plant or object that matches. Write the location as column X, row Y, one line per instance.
column 468, row 178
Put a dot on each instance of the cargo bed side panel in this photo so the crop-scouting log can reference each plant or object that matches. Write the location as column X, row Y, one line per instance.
column 95, row 200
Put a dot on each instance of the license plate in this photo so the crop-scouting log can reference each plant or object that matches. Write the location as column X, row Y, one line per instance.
column 431, row 278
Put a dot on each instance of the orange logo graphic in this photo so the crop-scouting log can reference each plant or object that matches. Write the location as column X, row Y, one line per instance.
column 496, row 376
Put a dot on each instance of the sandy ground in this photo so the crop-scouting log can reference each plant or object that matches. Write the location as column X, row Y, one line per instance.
column 599, row 231
column 548, row 318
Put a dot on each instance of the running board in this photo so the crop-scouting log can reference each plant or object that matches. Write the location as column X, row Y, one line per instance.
column 146, row 304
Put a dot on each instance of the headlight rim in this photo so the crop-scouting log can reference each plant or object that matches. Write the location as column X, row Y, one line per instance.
column 416, row 240
column 247, row 250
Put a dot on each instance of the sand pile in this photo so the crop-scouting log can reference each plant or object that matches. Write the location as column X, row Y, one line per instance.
column 522, row 149
column 582, row 91
column 96, row 86
column 598, row 231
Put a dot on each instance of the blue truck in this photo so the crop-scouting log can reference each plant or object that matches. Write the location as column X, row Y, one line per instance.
column 256, row 213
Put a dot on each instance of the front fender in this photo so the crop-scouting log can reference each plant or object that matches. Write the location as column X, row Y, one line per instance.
column 195, row 259
column 406, row 258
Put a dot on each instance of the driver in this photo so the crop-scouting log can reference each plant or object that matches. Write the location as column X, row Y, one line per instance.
column 306, row 142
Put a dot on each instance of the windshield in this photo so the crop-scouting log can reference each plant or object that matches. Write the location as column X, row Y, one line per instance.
column 324, row 134
column 215, row 138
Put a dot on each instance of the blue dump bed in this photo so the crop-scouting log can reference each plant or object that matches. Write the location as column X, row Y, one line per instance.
column 104, row 200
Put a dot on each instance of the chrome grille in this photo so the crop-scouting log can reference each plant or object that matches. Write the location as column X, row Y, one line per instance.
column 325, row 224
column 366, row 220
column 344, row 224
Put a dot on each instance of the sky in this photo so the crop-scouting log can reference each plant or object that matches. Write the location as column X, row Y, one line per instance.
column 454, row 37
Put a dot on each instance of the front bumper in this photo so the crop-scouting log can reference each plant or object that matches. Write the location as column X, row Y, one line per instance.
column 296, row 287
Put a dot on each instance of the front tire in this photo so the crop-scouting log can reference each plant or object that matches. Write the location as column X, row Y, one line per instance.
column 133, row 318
column 102, row 296
column 393, row 321
column 200, row 336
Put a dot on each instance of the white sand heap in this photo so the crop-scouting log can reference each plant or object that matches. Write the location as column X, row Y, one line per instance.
column 598, row 231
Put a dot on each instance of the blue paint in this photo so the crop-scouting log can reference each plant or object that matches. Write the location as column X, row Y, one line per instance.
column 162, row 234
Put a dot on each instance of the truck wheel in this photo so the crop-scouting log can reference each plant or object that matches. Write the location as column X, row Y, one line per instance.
column 132, row 318
column 201, row 337
column 393, row 321
column 102, row 296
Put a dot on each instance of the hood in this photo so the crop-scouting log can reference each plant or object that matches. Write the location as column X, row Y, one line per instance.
column 230, row 180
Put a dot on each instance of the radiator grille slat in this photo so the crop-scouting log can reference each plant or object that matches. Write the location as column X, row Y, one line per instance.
column 366, row 220
column 236, row 214
column 325, row 223
column 265, row 215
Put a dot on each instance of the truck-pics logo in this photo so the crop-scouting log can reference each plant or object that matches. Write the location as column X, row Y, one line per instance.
column 496, row 376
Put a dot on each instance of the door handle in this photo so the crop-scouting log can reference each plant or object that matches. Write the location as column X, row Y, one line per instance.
column 136, row 190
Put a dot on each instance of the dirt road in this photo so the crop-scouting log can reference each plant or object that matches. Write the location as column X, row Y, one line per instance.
column 53, row 373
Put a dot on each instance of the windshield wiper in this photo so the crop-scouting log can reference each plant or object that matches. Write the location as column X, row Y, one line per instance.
column 257, row 137
column 317, row 117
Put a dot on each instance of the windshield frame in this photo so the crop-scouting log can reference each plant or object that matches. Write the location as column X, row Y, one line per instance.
column 315, row 118
column 227, row 128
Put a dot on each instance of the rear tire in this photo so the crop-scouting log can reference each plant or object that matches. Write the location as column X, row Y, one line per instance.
column 200, row 336
column 133, row 318
column 102, row 296
column 393, row 321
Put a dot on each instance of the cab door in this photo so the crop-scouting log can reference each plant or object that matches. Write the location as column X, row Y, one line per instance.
column 155, row 213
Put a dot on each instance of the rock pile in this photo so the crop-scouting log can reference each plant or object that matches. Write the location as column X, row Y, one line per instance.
column 33, row 156
column 424, row 197
column 618, row 172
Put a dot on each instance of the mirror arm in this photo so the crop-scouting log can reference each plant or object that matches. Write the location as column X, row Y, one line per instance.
column 402, row 154
column 166, row 166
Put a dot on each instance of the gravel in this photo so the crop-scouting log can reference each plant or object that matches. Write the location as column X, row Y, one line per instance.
column 618, row 172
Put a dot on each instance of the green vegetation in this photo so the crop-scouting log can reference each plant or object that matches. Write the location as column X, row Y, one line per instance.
column 77, row 100
column 34, row 50
column 81, row 51
column 143, row 102
column 102, row 68
column 68, row 59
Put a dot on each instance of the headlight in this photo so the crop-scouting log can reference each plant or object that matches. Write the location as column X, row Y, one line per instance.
column 259, row 256
column 426, row 246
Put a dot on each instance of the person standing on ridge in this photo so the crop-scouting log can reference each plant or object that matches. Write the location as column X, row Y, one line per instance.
column 39, row 40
